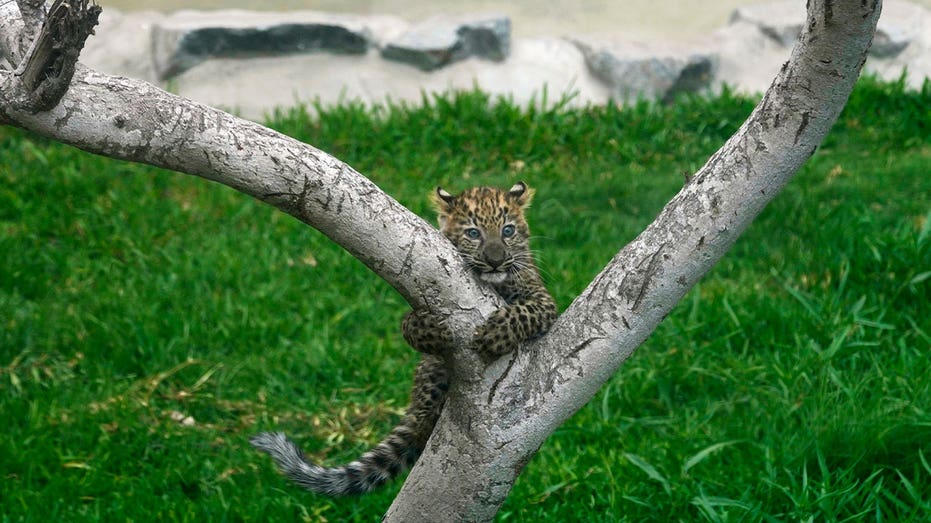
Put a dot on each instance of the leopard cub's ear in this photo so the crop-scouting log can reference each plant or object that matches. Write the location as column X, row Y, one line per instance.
column 521, row 194
column 442, row 203
column 441, row 200
column 445, row 196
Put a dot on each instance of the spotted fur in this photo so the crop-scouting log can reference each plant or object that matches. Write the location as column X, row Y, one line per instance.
column 488, row 228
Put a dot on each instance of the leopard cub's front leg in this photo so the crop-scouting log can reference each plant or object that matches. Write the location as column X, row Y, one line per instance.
column 513, row 324
column 496, row 337
column 426, row 332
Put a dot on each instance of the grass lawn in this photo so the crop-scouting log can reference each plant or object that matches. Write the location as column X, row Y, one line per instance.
column 150, row 322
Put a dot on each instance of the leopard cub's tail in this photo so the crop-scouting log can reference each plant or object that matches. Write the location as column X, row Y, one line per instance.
column 395, row 454
column 381, row 464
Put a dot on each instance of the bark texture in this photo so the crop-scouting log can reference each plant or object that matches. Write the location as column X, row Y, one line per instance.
column 496, row 417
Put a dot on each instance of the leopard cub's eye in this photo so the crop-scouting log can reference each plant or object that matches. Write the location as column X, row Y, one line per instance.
column 508, row 231
column 473, row 233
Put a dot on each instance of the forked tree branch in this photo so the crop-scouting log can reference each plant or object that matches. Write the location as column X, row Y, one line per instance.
column 496, row 417
column 483, row 440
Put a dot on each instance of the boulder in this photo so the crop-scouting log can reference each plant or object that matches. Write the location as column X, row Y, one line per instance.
column 442, row 40
column 634, row 69
column 748, row 60
column 757, row 41
column 783, row 20
column 913, row 21
column 186, row 38
column 256, row 61
column 121, row 44
column 540, row 71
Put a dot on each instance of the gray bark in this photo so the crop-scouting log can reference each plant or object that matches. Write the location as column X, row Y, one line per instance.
column 496, row 417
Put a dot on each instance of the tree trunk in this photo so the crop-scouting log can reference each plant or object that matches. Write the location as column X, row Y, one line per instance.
column 496, row 417
column 492, row 427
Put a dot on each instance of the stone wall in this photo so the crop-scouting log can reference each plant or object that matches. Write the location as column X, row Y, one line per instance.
column 254, row 61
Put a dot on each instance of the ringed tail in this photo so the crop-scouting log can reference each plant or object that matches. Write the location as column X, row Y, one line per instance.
column 395, row 454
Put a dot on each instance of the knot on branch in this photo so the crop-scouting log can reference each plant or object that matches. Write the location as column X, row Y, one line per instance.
column 47, row 68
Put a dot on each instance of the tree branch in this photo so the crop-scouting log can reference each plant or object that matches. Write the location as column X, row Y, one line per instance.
column 480, row 446
column 102, row 114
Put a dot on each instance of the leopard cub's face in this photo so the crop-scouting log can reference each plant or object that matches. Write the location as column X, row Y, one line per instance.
column 488, row 228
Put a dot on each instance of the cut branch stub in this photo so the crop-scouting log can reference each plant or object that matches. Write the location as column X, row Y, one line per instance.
column 48, row 66
column 32, row 12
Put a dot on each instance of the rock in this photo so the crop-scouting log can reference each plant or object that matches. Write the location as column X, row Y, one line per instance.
column 782, row 21
column 746, row 54
column 539, row 71
column 748, row 60
column 912, row 21
column 441, row 40
column 187, row 38
column 889, row 41
column 131, row 55
column 757, row 41
column 654, row 71
column 902, row 25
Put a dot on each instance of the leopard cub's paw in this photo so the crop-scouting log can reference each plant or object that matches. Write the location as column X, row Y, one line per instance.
column 495, row 337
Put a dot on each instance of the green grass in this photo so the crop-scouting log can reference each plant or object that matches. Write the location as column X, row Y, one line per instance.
column 792, row 384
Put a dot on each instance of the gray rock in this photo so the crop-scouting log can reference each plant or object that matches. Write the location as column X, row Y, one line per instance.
column 889, row 41
column 539, row 72
column 187, row 38
column 783, row 20
column 439, row 41
column 121, row 44
column 535, row 71
column 748, row 60
column 912, row 22
column 653, row 71
column 780, row 21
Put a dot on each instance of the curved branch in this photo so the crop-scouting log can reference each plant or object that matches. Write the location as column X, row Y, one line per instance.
column 482, row 441
column 102, row 114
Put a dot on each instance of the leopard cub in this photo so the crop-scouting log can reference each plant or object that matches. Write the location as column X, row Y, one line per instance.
column 488, row 228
